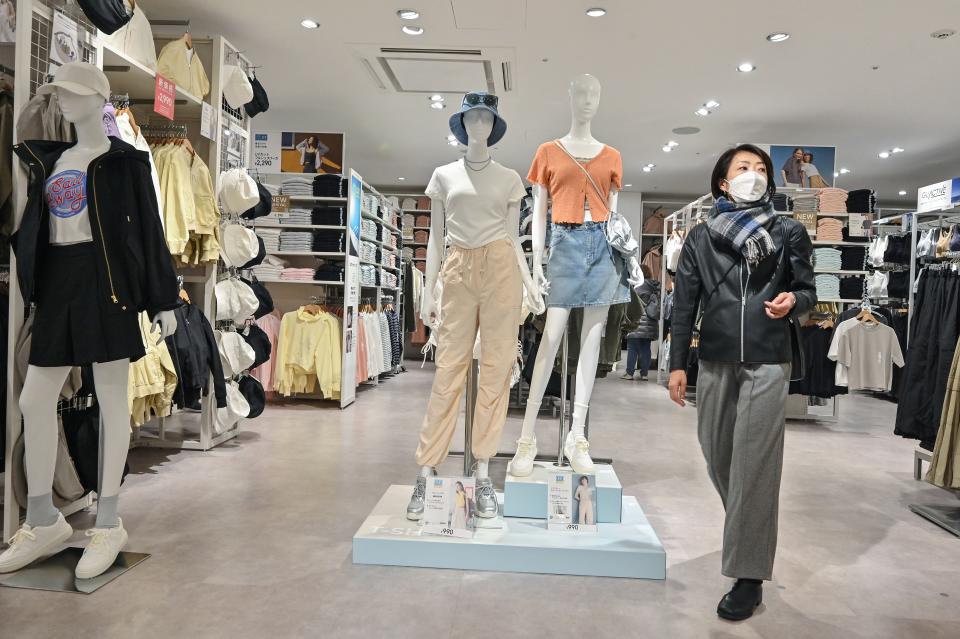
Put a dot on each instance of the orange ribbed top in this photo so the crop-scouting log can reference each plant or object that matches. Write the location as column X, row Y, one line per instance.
column 553, row 169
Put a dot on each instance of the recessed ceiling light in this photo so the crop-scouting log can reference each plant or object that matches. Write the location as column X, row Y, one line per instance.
column 651, row 165
column 596, row 12
column 647, row 169
column 413, row 30
column 896, row 149
column 408, row 14
column 307, row 23
column 453, row 142
column 437, row 105
column 844, row 171
column 401, row 178
column 436, row 97
column 746, row 67
column 902, row 192
column 627, row 186
column 451, row 138
column 884, row 154
column 711, row 104
column 667, row 148
column 836, row 174
column 672, row 143
column 778, row 37
column 702, row 112
column 940, row 34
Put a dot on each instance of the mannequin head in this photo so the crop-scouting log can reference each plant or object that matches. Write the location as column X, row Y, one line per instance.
column 77, row 108
column 584, row 97
column 478, row 124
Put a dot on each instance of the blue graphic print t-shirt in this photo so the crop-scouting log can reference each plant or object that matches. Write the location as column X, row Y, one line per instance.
column 66, row 192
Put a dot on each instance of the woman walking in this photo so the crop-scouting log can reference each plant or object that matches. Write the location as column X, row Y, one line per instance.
column 748, row 271
column 641, row 323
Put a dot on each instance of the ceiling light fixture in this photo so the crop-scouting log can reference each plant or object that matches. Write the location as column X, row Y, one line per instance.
column 438, row 105
column 408, row 14
column 779, row 36
column 844, row 171
column 307, row 23
column 667, row 148
column 451, row 138
column 884, row 155
column 647, row 169
column 902, row 192
column 746, row 67
column 401, row 178
column 672, row 143
column 596, row 12
column 436, row 97
column 453, row 142
column 836, row 174
column 942, row 34
column 896, row 149
column 711, row 104
column 413, row 30
column 651, row 165
column 627, row 186
column 702, row 112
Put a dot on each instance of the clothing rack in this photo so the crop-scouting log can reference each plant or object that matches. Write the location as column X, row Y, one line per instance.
column 178, row 131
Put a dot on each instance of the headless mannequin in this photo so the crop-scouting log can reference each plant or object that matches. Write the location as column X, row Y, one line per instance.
column 478, row 125
column 41, row 388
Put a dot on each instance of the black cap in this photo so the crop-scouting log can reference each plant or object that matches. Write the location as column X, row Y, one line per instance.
column 252, row 391
column 260, row 344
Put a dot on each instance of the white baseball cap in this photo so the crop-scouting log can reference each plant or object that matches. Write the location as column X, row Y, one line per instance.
column 235, row 300
column 237, row 89
column 239, row 245
column 236, row 355
column 80, row 78
column 238, row 192
column 236, row 409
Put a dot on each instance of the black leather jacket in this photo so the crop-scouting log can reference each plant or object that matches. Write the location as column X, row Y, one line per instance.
column 134, row 267
column 735, row 326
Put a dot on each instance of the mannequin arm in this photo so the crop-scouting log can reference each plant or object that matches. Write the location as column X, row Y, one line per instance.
column 435, row 247
column 539, row 233
column 167, row 321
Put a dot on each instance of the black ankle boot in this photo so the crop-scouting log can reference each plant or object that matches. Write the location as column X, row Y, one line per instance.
column 742, row 600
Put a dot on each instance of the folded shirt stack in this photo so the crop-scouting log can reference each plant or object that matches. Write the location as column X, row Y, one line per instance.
column 409, row 220
column 328, row 216
column 368, row 251
column 832, row 200
column 369, row 203
column 420, row 266
column 828, row 286
column 782, row 202
column 854, row 238
column 368, row 275
column 805, row 204
column 420, row 253
column 296, row 241
column 329, row 241
column 271, row 239
column 861, row 201
column 851, row 258
column 272, row 218
column 298, row 274
column 388, row 279
column 329, row 185
column 898, row 284
column 297, row 187
column 851, row 287
column 270, row 269
column 329, row 272
column 388, row 259
column 272, row 189
column 898, row 250
column 297, row 216
column 421, row 237
column 407, row 254
column 423, row 221
column 827, row 259
column 829, row 229
column 368, row 229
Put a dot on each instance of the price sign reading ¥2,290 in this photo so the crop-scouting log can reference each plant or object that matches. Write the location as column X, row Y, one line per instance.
column 164, row 98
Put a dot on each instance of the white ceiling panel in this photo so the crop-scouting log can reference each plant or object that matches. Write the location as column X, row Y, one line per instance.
column 506, row 15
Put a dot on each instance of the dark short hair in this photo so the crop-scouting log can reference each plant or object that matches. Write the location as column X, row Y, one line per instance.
column 805, row 153
column 723, row 165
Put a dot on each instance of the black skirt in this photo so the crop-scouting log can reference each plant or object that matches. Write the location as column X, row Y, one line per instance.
column 70, row 328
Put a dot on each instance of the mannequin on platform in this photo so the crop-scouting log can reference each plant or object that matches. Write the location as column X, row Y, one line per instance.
column 583, row 272
column 473, row 258
column 87, row 296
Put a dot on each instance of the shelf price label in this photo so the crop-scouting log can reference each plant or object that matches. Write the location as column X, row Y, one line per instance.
column 164, row 97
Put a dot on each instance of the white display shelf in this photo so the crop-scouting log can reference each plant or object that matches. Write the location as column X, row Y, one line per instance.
column 139, row 82
column 311, row 198
column 838, row 243
column 389, row 268
column 307, row 253
column 310, row 282
column 422, row 228
column 371, row 216
column 417, row 211
column 274, row 225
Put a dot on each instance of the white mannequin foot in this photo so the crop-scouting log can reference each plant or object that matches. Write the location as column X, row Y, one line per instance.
column 30, row 544
column 522, row 463
column 105, row 544
column 577, row 450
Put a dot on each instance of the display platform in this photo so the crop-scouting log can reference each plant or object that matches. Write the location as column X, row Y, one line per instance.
column 56, row 573
column 630, row 549
column 527, row 496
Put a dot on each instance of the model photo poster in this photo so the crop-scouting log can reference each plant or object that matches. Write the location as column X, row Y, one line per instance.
column 298, row 152
column 802, row 166
column 571, row 503
column 449, row 508
column 64, row 40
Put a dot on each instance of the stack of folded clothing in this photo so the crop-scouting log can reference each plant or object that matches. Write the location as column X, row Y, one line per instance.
column 829, row 230
column 329, row 185
column 851, row 258
column 828, row 286
column 420, row 253
column 851, row 287
column 388, row 279
column 898, row 284
column 423, row 222
column 368, row 275
column 388, row 259
column 328, row 241
column 296, row 241
column 296, row 216
column 805, row 204
column 420, row 266
column 368, row 251
column 297, row 187
column 368, row 204
column 409, row 220
column 299, row 274
column 273, row 218
column 853, row 238
column 782, row 202
column 328, row 216
column 270, row 269
column 329, row 272
column 393, row 241
column 271, row 239
column 368, row 229
column 272, row 189
column 861, row 201
column 826, row 259
column 898, row 250
column 421, row 237
column 407, row 254
column 832, row 200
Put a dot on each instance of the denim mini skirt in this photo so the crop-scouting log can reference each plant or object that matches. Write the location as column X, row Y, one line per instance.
column 583, row 269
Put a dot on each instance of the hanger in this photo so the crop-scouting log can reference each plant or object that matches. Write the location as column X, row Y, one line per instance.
column 866, row 316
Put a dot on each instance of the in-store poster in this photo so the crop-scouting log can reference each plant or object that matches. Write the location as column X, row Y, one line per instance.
column 572, row 503
column 449, row 507
column 802, row 165
column 298, row 152
column 64, row 41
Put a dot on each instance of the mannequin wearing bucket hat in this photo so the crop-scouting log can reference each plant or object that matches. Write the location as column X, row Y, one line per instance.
column 477, row 286
column 87, row 295
column 584, row 271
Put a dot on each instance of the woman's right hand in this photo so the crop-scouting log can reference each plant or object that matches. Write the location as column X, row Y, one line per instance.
column 678, row 387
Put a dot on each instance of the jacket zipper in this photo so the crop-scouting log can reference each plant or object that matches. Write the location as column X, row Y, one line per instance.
column 103, row 239
column 43, row 172
column 743, row 307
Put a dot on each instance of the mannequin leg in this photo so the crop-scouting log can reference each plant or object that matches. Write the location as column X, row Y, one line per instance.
column 594, row 318
column 38, row 402
column 543, row 367
column 111, row 381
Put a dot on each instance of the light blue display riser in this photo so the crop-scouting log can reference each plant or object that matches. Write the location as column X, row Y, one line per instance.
column 527, row 496
column 630, row 549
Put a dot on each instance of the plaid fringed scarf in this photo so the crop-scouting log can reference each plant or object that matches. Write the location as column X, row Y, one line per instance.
column 742, row 227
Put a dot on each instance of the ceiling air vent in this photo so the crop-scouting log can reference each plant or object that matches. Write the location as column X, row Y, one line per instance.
column 412, row 51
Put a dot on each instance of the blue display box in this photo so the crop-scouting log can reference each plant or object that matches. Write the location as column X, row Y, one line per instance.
column 527, row 496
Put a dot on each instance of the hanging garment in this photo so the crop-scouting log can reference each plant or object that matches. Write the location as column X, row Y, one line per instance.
column 193, row 350
column 136, row 139
column 945, row 463
column 270, row 324
column 309, row 354
column 869, row 351
column 181, row 64
column 821, row 373
column 153, row 378
column 135, row 40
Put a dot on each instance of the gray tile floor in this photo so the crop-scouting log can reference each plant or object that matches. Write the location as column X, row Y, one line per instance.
column 253, row 539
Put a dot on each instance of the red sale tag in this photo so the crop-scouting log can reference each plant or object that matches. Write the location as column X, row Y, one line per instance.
column 164, row 97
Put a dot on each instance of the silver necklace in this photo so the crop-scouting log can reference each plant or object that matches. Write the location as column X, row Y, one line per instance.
column 485, row 164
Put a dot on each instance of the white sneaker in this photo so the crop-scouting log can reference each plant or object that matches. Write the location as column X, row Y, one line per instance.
column 102, row 551
column 577, row 450
column 522, row 463
column 30, row 544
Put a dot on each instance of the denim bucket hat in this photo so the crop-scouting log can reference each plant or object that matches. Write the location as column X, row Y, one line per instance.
column 478, row 100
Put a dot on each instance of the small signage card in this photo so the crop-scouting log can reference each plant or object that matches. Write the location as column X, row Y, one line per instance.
column 164, row 97
column 449, row 507
column 809, row 221
column 206, row 121
column 857, row 224
column 280, row 204
column 572, row 503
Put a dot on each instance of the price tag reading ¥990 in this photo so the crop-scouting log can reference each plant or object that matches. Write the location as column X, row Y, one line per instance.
column 449, row 507
column 571, row 503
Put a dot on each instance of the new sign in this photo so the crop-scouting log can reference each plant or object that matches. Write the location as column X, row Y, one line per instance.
column 939, row 197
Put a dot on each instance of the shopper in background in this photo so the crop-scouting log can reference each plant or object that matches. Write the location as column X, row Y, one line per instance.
column 746, row 270
column 641, row 323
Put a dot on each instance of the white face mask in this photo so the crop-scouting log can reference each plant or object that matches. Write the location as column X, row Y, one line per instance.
column 747, row 187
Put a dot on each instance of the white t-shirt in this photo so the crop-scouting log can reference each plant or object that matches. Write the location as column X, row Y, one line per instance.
column 869, row 352
column 66, row 192
column 475, row 203
column 809, row 170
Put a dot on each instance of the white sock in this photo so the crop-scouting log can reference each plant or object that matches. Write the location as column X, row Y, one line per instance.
column 426, row 471
column 482, row 468
column 579, row 419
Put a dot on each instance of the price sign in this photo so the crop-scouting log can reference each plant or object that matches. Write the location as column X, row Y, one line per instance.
column 164, row 97
column 206, row 121
column 281, row 203
column 449, row 507
column 266, row 151
column 571, row 503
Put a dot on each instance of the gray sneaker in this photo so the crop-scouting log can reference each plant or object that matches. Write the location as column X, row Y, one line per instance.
column 415, row 507
column 487, row 506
